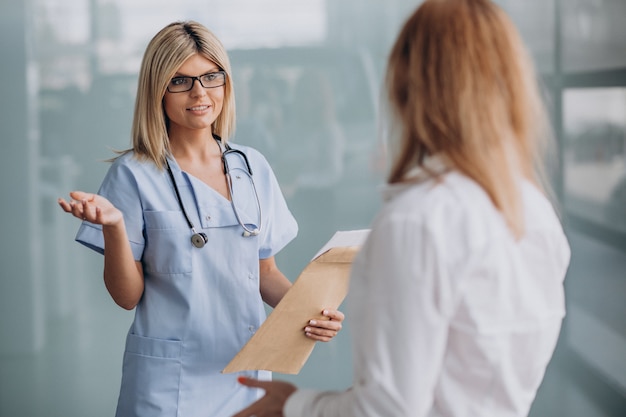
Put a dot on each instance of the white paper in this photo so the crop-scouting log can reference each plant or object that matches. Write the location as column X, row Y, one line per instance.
column 344, row 238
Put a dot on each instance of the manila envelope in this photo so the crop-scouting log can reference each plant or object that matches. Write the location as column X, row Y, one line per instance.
column 280, row 345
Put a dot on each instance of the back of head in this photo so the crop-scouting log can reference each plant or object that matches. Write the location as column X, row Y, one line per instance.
column 462, row 86
column 165, row 53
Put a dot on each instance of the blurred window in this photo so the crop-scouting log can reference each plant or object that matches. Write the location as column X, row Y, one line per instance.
column 593, row 34
column 594, row 156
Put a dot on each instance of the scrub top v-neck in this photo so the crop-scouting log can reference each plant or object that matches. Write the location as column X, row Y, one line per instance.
column 200, row 305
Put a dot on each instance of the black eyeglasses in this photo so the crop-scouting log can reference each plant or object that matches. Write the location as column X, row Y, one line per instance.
column 209, row 80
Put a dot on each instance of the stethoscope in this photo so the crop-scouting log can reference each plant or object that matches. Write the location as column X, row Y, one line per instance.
column 199, row 239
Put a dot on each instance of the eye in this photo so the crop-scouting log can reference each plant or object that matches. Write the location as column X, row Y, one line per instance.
column 211, row 76
column 178, row 81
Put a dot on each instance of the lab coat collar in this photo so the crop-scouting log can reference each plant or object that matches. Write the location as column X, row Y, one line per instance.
column 431, row 168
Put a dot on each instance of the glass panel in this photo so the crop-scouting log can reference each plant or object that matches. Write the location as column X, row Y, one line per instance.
column 594, row 34
column 311, row 110
column 595, row 169
column 305, row 99
column 535, row 21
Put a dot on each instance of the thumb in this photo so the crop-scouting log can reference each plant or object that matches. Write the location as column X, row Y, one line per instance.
column 81, row 195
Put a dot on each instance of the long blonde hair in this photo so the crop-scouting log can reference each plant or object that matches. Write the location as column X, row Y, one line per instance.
column 462, row 85
column 164, row 55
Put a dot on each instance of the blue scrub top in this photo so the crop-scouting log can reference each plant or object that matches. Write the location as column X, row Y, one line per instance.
column 200, row 305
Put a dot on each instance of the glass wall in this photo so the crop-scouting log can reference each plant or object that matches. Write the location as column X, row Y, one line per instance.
column 594, row 156
column 307, row 78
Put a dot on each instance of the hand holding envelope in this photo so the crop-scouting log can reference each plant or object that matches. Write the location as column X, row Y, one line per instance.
column 280, row 344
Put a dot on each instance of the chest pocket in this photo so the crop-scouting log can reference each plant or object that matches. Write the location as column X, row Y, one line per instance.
column 168, row 245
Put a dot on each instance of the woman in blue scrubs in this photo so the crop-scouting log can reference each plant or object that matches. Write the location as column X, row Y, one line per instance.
column 189, row 226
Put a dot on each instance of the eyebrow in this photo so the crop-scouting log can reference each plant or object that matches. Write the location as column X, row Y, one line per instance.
column 180, row 74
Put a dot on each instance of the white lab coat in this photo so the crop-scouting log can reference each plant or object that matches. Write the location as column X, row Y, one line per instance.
column 450, row 315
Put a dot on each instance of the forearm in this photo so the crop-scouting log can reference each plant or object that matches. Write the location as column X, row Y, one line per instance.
column 123, row 276
column 272, row 294
column 273, row 283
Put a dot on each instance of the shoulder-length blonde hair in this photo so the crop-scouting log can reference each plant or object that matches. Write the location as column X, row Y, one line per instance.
column 461, row 85
column 164, row 55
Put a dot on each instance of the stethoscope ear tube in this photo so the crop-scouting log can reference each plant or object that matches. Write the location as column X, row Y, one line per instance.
column 247, row 232
column 180, row 200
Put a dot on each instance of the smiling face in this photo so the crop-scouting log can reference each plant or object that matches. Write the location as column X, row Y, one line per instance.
column 194, row 110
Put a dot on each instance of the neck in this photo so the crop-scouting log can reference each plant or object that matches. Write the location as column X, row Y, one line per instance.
column 194, row 146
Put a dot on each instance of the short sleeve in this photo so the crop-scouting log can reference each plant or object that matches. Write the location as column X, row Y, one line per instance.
column 120, row 188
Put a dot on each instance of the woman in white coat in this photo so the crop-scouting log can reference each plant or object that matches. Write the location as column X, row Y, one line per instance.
column 457, row 295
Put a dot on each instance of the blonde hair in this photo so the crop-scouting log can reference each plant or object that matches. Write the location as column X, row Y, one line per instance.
column 461, row 85
column 164, row 55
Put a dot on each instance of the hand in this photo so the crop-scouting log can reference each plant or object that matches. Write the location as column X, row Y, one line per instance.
column 271, row 405
column 91, row 207
column 323, row 330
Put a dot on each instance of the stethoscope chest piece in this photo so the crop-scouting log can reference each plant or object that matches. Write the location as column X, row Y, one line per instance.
column 199, row 239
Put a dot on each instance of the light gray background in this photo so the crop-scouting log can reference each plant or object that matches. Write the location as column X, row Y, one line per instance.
column 307, row 78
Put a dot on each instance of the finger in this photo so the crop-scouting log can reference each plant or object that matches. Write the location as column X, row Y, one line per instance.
column 252, row 383
column 79, row 195
column 334, row 314
column 76, row 209
column 64, row 205
column 319, row 334
column 89, row 210
column 325, row 324
column 320, row 331
column 318, row 337
column 99, row 219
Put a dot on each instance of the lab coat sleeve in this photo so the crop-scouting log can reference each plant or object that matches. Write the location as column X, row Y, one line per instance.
column 401, row 303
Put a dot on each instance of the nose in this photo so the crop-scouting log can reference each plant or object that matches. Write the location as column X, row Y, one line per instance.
column 196, row 87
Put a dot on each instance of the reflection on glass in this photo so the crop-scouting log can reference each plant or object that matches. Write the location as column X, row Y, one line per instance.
column 595, row 158
column 311, row 111
column 594, row 34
